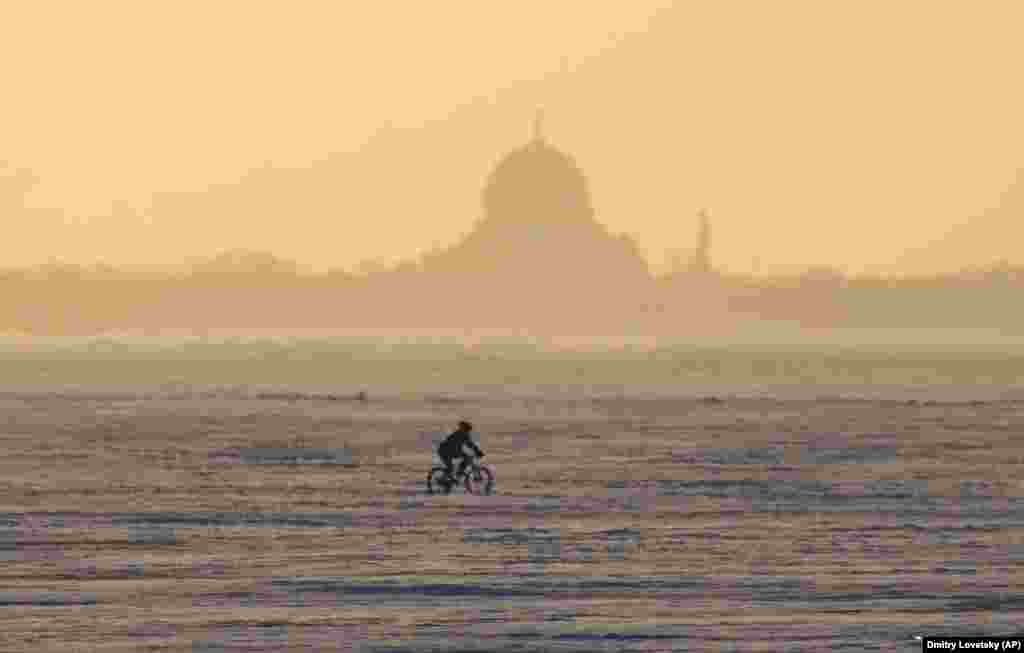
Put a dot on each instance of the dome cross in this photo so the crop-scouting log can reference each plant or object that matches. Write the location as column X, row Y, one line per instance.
column 538, row 125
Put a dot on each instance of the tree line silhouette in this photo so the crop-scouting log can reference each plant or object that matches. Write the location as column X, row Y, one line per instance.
column 255, row 289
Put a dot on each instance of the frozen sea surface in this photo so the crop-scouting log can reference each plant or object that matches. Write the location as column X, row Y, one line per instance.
column 227, row 523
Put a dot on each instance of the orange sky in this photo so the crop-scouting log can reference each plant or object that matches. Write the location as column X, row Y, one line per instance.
column 854, row 134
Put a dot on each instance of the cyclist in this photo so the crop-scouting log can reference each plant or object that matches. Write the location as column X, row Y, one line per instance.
column 452, row 448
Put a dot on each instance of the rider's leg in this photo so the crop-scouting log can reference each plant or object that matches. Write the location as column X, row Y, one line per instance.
column 449, row 463
column 466, row 460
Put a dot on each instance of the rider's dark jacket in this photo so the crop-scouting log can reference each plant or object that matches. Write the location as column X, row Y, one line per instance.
column 452, row 446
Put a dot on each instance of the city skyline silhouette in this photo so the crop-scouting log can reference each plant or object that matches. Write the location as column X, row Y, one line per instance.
column 899, row 159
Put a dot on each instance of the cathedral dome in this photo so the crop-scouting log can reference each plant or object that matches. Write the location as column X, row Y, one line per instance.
column 538, row 239
column 537, row 184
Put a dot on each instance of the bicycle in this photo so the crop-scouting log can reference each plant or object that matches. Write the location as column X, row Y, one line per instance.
column 477, row 479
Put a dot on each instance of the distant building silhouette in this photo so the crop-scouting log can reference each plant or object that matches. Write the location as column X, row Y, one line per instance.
column 701, row 262
column 538, row 238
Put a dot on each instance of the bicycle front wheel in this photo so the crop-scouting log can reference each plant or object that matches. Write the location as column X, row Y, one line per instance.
column 480, row 480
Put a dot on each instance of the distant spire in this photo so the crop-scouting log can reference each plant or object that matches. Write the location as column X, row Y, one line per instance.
column 538, row 125
column 702, row 256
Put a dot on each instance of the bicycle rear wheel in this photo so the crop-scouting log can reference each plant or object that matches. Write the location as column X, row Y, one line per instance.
column 479, row 480
column 438, row 482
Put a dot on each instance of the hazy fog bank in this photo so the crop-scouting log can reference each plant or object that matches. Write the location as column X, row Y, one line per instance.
column 339, row 369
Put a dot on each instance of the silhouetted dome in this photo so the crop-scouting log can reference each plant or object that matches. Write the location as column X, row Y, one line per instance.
column 537, row 183
column 539, row 244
